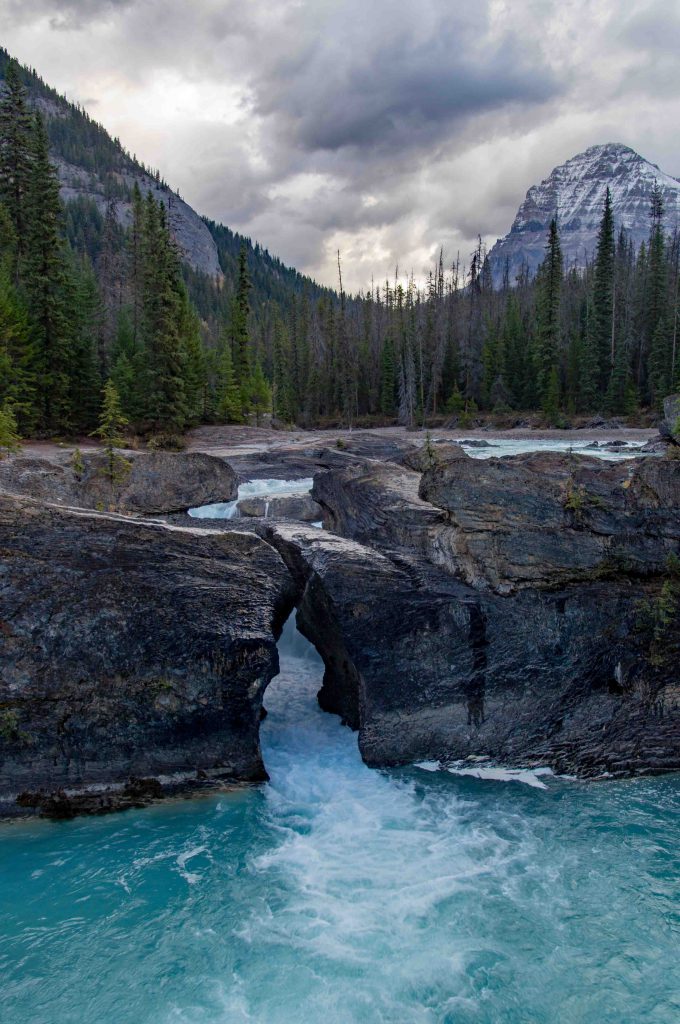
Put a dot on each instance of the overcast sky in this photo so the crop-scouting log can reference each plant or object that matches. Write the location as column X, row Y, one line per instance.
column 379, row 127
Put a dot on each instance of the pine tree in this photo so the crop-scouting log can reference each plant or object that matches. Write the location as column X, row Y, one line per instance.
column 282, row 392
column 165, row 401
column 10, row 440
column 659, row 374
column 588, row 390
column 46, row 284
column 16, row 132
column 621, row 396
column 112, row 423
column 135, row 265
column 227, row 391
column 259, row 394
column 601, row 334
column 195, row 368
column 84, row 375
column 548, row 326
column 387, row 378
column 240, row 336
column 15, row 350
column 655, row 327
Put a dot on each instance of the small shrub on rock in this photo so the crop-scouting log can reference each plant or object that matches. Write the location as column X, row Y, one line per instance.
column 166, row 443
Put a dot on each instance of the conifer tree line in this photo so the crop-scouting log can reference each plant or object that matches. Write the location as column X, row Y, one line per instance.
column 87, row 301
column 564, row 342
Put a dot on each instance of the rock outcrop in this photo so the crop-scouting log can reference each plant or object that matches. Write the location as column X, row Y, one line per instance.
column 670, row 425
column 550, row 519
column 515, row 622
column 524, row 609
column 509, row 523
column 150, row 483
column 300, row 507
column 134, row 656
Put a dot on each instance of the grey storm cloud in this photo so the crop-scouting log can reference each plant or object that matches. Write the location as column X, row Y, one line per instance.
column 403, row 92
column 66, row 15
column 377, row 126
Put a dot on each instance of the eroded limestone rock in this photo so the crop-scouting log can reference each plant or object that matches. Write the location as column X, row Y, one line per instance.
column 130, row 650
column 153, row 482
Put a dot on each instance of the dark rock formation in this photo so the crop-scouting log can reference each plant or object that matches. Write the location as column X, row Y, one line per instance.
column 523, row 609
column 547, row 657
column 300, row 507
column 547, row 518
column 509, row 523
column 670, row 425
column 129, row 651
column 154, row 483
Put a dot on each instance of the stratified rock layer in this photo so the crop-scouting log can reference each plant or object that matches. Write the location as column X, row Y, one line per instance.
column 129, row 651
column 513, row 622
column 523, row 609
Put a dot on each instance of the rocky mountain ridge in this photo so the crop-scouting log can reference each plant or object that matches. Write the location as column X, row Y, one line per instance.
column 574, row 193
column 96, row 170
column 196, row 244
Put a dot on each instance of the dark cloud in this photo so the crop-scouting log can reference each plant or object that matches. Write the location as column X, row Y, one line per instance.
column 401, row 94
column 370, row 125
column 65, row 15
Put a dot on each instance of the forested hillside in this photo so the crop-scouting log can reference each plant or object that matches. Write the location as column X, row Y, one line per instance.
column 96, row 285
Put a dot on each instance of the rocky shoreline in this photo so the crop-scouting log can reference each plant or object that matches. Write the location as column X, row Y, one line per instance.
column 522, row 609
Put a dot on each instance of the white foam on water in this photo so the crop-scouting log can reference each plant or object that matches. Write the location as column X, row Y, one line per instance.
column 183, row 859
column 511, row 446
column 220, row 510
column 528, row 776
column 492, row 773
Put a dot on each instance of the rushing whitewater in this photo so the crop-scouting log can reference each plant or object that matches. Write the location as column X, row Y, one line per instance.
column 342, row 895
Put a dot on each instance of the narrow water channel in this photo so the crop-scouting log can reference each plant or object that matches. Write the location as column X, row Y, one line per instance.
column 337, row 894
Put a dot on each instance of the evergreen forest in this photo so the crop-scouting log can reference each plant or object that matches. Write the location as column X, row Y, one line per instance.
column 93, row 310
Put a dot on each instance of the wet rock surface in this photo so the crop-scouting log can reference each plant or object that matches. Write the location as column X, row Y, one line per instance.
column 130, row 650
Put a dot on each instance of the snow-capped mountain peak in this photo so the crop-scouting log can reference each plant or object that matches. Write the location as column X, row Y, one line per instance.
column 574, row 192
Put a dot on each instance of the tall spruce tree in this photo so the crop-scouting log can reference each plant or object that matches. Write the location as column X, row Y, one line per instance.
column 228, row 400
column 47, row 289
column 239, row 330
column 548, row 323
column 16, row 141
column 165, row 406
column 282, row 391
column 601, row 333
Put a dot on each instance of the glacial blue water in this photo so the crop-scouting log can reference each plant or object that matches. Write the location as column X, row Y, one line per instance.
column 338, row 894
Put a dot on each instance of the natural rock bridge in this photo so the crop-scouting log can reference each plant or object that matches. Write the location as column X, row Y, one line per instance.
column 496, row 608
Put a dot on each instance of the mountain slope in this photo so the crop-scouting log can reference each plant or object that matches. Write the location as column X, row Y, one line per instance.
column 574, row 192
column 95, row 170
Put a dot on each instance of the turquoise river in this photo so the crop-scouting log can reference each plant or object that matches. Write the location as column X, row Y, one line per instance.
column 339, row 894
